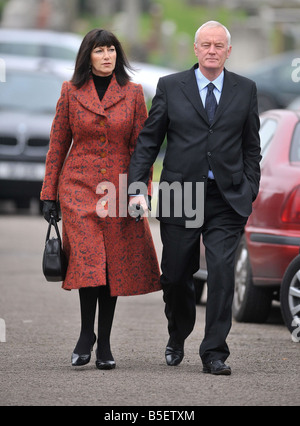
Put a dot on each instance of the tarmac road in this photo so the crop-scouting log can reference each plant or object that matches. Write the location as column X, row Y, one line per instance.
column 42, row 326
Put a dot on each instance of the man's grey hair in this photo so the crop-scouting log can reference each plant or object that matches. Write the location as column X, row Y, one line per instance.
column 212, row 24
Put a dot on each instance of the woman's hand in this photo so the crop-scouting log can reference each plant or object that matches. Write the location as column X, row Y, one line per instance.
column 50, row 209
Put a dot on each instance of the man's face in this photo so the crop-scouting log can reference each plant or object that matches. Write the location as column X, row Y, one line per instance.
column 211, row 49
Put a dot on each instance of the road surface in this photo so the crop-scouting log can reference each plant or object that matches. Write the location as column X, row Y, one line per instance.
column 42, row 325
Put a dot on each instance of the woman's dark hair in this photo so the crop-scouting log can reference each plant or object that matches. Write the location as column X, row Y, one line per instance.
column 93, row 39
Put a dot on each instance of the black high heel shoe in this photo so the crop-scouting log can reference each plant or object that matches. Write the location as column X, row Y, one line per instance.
column 105, row 365
column 79, row 360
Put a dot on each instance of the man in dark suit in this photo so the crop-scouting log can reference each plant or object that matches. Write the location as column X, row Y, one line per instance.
column 210, row 118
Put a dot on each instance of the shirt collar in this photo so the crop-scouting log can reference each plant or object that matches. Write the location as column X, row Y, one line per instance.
column 203, row 81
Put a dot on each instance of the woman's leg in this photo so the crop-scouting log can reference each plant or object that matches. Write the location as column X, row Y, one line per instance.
column 88, row 302
column 107, row 305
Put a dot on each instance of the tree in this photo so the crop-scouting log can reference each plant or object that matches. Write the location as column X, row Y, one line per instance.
column 51, row 14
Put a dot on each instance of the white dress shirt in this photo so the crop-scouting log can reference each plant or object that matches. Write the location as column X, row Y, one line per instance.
column 202, row 83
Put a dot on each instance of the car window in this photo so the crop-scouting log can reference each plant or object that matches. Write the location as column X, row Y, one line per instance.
column 38, row 50
column 37, row 92
column 266, row 133
column 57, row 52
column 22, row 49
column 295, row 145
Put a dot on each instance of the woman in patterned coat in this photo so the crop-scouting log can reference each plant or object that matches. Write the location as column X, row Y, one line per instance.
column 98, row 118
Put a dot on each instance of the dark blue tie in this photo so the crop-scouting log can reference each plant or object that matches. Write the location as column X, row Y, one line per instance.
column 210, row 102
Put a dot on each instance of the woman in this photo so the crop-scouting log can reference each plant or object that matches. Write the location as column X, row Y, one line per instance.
column 109, row 255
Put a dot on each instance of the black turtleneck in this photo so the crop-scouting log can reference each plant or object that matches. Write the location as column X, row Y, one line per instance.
column 101, row 84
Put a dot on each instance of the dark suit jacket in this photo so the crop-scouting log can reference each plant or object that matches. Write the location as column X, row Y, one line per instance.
column 230, row 145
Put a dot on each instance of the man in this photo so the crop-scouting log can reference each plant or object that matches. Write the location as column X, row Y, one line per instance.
column 213, row 140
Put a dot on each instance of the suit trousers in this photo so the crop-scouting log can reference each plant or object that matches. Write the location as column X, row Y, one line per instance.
column 221, row 232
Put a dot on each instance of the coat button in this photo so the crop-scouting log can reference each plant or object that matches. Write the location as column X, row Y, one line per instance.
column 102, row 154
column 102, row 138
column 103, row 171
column 102, row 123
column 209, row 154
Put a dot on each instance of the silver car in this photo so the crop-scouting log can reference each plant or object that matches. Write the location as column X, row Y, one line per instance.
column 41, row 48
column 33, row 65
column 58, row 51
column 27, row 107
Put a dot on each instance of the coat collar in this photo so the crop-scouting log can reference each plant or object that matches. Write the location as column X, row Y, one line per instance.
column 190, row 88
column 87, row 95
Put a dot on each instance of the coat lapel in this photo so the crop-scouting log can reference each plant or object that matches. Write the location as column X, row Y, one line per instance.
column 114, row 94
column 87, row 95
column 190, row 89
column 228, row 92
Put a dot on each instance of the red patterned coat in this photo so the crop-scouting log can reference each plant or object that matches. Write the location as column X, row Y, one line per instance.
column 83, row 174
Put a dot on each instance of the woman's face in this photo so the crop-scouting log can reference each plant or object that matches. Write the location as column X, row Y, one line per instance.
column 103, row 60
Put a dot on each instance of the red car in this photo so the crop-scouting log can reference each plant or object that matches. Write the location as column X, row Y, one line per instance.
column 272, row 235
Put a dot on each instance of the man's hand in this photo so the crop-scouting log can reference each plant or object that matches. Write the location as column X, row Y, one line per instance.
column 138, row 207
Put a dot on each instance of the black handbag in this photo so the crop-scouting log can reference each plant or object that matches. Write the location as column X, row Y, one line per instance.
column 55, row 263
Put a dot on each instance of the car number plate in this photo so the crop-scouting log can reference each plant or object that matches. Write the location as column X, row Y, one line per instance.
column 22, row 171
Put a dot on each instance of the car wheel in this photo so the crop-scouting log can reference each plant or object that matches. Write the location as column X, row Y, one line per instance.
column 290, row 298
column 250, row 303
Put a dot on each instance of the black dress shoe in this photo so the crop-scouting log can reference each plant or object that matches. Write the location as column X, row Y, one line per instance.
column 174, row 353
column 105, row 365
column 79, row 360
column 217, row 367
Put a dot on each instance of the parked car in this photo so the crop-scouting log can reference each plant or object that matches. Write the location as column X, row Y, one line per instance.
column 277, row 79
column 295, row 104
column 272, row 234
column 28, row 99
column 58, row 50
column 27, row 107
column 290, row 298
column 148, row 75
column 43, row 48
column 37, row 62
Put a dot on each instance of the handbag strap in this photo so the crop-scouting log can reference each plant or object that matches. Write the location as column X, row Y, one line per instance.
column 52, row 222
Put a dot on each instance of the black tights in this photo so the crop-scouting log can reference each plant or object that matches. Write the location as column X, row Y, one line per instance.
column 106, row 308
